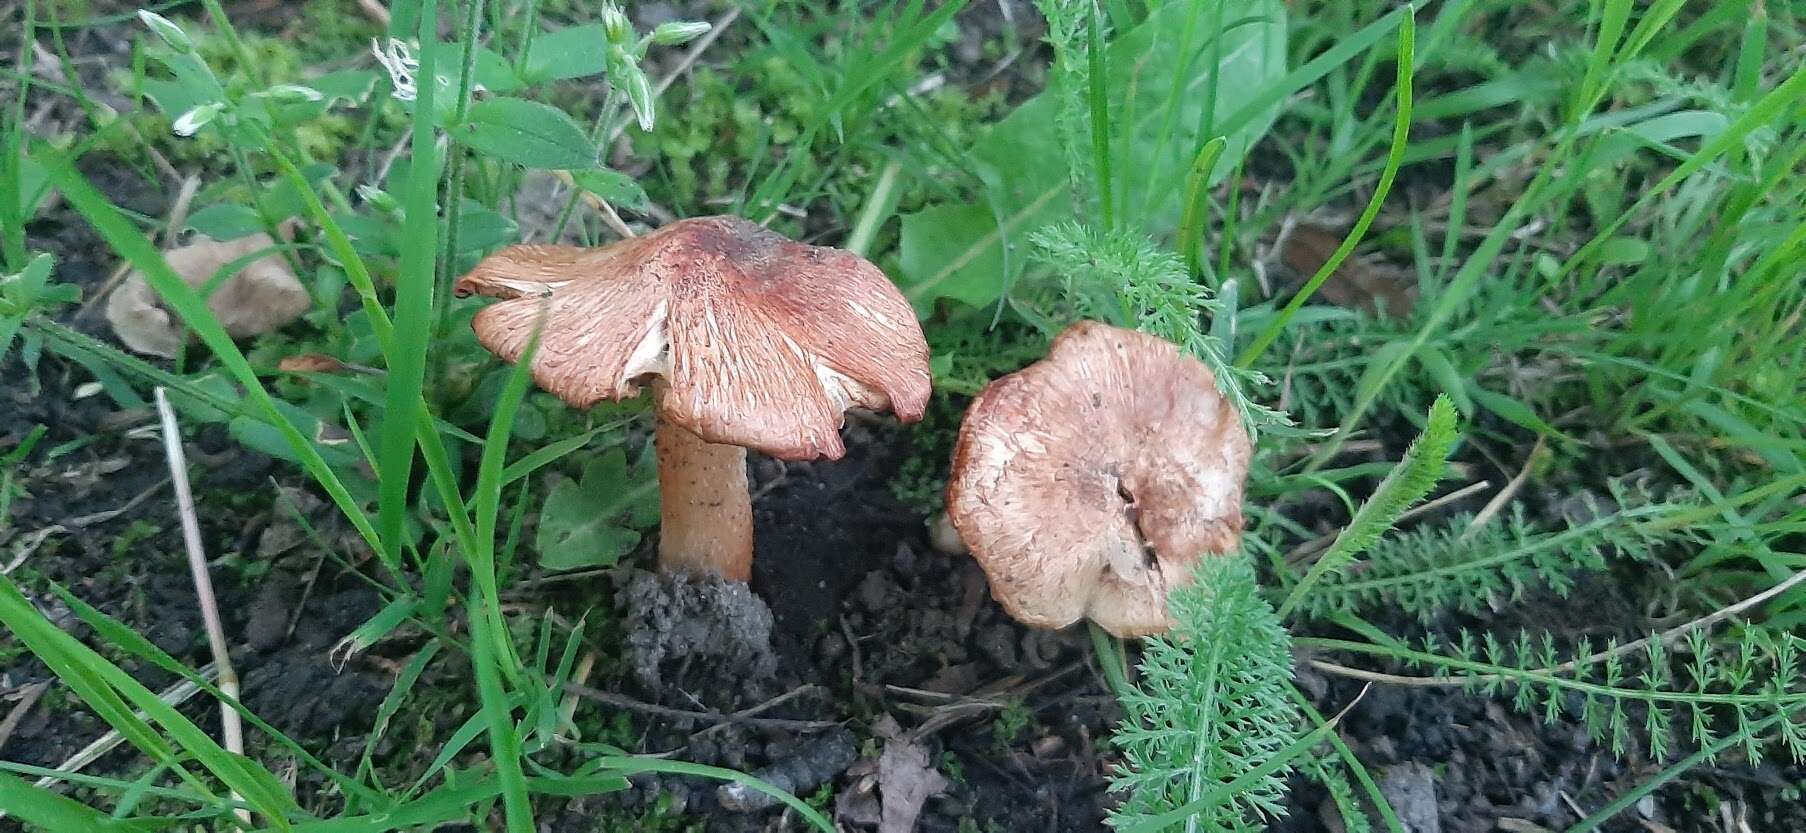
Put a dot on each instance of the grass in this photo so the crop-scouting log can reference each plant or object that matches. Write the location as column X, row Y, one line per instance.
column 1600, row 207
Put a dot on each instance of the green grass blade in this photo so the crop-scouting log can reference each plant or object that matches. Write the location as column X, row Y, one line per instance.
column 1191, row 222
column 1770, row 109
column 1388, row 816
column 391, row 705
column 129, row 641
column 1312, row 71
column 413, row 307
column 1100, row 113
column 1401, row 136
column 107, row 688
column 1612, row 20
column 479, row 551
column 12, row 155
column 50, row 811
column 498, row 719
column 631, row 765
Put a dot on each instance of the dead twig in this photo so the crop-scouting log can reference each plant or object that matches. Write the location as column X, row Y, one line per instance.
column 755, row 711
column 81, row 521
column 230, row 726
column 993, row 697
column 625, row 702
column 1505, row 495
column 28, row 697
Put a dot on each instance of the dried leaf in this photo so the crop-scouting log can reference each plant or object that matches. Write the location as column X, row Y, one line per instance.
column 1362, row 283
column 906, row 780
column 263, row 296
column 310, row 363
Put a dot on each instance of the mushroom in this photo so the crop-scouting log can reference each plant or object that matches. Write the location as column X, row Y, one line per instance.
column 1088, row 484
column 750, row 340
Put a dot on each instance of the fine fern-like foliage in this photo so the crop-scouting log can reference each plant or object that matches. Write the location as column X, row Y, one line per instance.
column 1749, row 689
column 1319, row 365
column 1122, row 278
column 1407, row 483
column 1210, row 706
column 1071, row 74
column 1438, row 567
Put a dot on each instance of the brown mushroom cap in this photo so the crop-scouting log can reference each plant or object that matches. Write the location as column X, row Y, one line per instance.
column 1089, row 484
column 764, row 342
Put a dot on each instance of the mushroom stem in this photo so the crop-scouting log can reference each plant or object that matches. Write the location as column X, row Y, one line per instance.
column 706, row 510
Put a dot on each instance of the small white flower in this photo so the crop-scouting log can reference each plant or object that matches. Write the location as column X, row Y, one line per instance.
column 167, row 30
column 398, row 58
column 292, row 92
column 197, row 118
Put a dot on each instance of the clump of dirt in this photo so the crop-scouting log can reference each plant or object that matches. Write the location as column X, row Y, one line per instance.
column 683, row 619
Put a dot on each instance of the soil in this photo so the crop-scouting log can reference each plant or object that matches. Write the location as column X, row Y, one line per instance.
column 853, row 623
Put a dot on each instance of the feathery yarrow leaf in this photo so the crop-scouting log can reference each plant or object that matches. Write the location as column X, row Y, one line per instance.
column 1407, row 483
column 1438, row 567
column 1210, row 705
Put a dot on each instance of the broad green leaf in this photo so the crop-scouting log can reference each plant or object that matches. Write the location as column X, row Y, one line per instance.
column 958, row 251
column 594, row 521
column 20, row 296
column 172, row 98
column 618, row 188
column 284, row 199
column 226, row 221
column 349, row 85
column 574, row 52
column 527, row 133
column 481, row 228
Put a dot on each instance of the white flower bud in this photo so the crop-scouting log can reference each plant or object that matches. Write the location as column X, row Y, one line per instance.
column 616, row 25
column 639, row 94
column 197, row 118
column 679, row 32
column 167, row 30
column 292, row 92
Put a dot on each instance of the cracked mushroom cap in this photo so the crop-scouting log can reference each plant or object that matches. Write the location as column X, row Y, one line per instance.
column 763, row 342
column 1089, row 484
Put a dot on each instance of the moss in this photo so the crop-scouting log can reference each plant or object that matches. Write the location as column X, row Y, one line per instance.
column 138, row 532
column 1011, row 724
column 723, row 132
column 334, row 29
column 661, row 817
